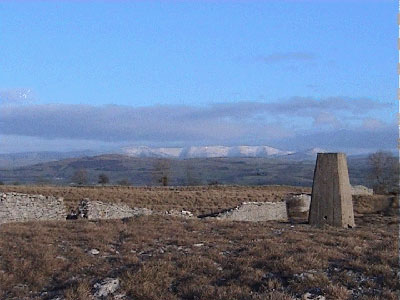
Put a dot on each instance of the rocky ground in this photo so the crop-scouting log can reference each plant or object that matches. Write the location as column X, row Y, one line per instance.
column 170, row 257
column 154, row 257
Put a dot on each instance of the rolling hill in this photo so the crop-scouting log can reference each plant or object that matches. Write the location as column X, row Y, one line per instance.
column 193, row 171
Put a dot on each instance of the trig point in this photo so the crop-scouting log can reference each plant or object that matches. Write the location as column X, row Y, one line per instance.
column 331, row 201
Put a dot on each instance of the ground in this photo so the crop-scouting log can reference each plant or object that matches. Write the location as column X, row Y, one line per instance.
column 161, row 257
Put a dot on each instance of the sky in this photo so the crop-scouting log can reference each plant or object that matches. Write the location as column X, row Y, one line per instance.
column 102, row 75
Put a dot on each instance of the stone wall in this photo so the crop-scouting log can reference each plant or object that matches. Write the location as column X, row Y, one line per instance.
column 298, row 205
column 99, row 210
column 256, row 212
column 15, row 207
column 361, row 190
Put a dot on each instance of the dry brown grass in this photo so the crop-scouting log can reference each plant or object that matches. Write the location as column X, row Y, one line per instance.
column 172, row 258
column 157, row 258
column 198, row 199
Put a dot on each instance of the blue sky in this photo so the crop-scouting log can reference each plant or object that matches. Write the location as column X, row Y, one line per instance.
column 283, row 73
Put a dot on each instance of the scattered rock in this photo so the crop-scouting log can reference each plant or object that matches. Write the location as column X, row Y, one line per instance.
column 94, row 251
column 177, row 213
column 310, row 275
column 186, row 213
column 106, row 287
column 20, row 286
column 309, row 296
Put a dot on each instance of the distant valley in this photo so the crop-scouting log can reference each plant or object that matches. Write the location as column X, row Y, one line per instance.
column 287, row 169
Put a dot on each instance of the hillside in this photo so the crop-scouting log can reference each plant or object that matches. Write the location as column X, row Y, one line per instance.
column 21, row 159
column 195, row 171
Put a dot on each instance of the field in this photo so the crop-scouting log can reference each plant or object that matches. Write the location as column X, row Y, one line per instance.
column 158, row 257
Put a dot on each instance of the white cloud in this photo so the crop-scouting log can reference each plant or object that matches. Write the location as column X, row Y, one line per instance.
column 327, row 119
column 223, row 123
column 372, row 124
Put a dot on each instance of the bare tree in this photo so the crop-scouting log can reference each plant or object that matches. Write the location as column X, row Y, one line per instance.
column 103, row 179
column 80, row 177
column 161, row 174
column 384, row 172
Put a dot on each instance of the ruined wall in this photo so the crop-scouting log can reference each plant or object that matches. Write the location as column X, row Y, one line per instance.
column 361, row 190
column 99, row 210
column 298, row 205
column 15, row 207
column 256, row 212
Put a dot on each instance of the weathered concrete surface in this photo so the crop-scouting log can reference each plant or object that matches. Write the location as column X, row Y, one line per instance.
column 256, row 212
column 298, row 205
column 331, row 200
column 361, row 190
column 16, row 207
column 93, row 210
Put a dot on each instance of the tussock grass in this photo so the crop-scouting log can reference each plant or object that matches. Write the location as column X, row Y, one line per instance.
column 172, row 258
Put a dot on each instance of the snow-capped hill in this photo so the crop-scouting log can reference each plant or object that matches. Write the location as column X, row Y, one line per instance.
column 144, row 151
column 255, row 151
column 267, row 151
column 205, row 151
column 169, row 152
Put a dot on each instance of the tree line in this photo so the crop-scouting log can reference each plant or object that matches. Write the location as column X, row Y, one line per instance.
column 383, row 173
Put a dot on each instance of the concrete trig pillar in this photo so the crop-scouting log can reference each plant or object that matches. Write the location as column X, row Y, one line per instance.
column 331, row 200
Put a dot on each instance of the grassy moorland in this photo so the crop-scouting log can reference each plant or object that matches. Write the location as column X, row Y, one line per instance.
column 158, row 257
column 172, row 258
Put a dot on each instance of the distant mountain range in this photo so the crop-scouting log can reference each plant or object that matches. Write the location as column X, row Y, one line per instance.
column 16, row 160
column 218, row 151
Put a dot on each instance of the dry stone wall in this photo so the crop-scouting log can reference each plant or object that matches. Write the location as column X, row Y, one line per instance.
column 256, row 212
column 298, row 205
column 361, row 190
column 16, row 207
column 98, row 210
